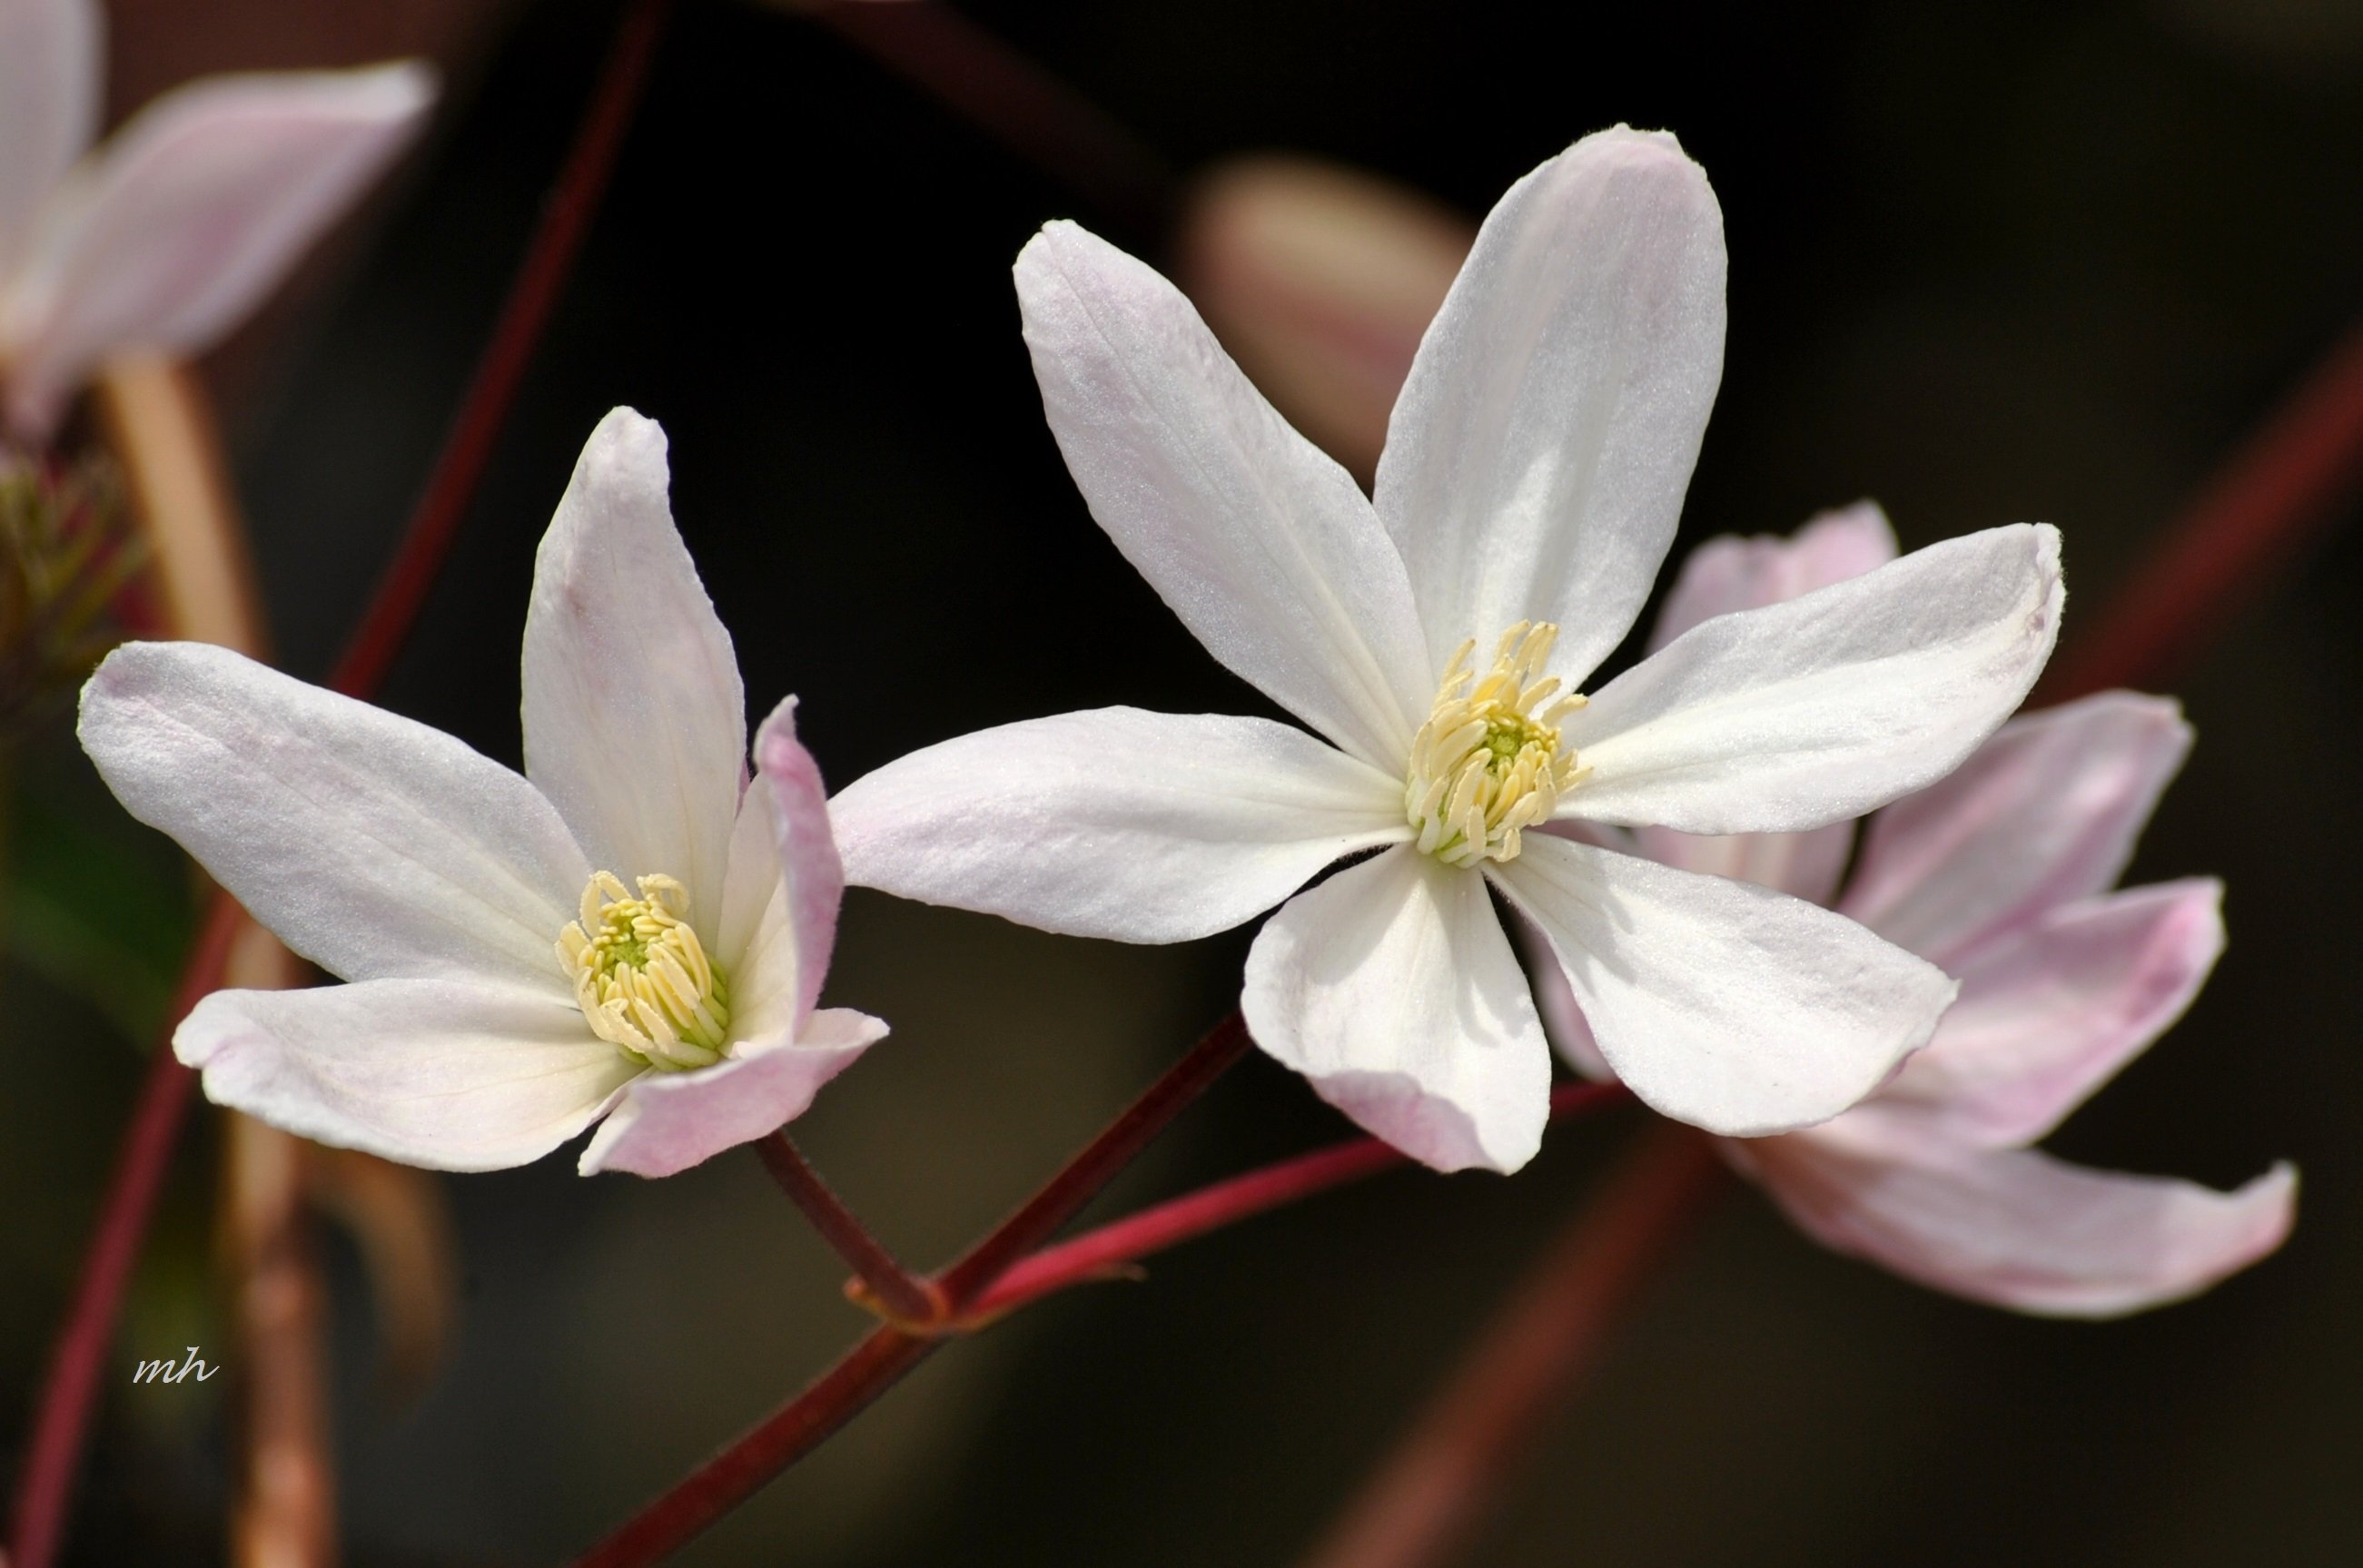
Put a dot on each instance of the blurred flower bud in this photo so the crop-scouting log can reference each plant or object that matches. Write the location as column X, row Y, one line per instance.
column 65, row 555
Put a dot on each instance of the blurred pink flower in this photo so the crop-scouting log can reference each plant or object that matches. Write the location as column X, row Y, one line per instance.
column 166, row 237
column 1529, row 488
column 507, row 990
column 2000, row 874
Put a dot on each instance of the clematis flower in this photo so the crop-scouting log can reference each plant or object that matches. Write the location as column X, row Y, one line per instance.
column 626, row 931
column 167, row 235
column 2000, row 875
column 1434, row 636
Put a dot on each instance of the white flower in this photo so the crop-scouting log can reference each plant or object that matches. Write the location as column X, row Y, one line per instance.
column 1534, row 471
column 628, row 929
column 165, row 238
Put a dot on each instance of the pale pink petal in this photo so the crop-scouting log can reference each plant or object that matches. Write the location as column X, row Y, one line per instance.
column 1261, row 544
column 2050, row 1012
column 634, row 720
column 669, row 1121
column 372, row 844
column 52, row 66
column 1722, row 1004
column 175, row 229
column 1536, row 461
column 2043, row 813
column 2018, row 1229
column 1143, row 827
column 816, row 878
column 456, row 1078
column 1731, row 572
column 1391, row 988
column 1821, row 708
column 1803, row 865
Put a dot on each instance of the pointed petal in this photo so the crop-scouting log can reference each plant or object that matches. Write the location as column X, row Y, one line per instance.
column 1731, row 572
column 1823, row 707
column 2051, row 1012
column 452, row 1076
column 1392, row 986
column 1261, row 544
column 1722, row 1004
column 2045, row 812
column 52, row 64
column 2016, row 1227
column 372, row 845
column 807, row 850
column 669, row 1121
column 176, row 228
column 1536, row 461
column 635, row 722
column 1803, row 865
column 1143, row 827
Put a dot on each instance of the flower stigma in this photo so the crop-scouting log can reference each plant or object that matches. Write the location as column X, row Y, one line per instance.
column 1488, row 763
column 642, row 978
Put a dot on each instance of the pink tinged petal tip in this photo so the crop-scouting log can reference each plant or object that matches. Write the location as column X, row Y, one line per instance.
column 1392, row 986
column 812, row 875
column 2045, row 812
column 53, row 70
column 1731, row 573
column 669, row 1121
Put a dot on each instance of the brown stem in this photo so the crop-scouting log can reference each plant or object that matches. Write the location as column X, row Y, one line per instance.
column 1439, row 1483
column 901, row 1296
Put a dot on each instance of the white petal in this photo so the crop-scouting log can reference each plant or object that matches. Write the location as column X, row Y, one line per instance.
column 1536, row 461
column 1730, row 572
column 1724, row 1004
column 635, row 722
column 2052, row 1011
column 1803, row 865
column 1823, row 707
column 2018, row 1229
column 1392, row 986
column 372, row 845
column 1260, row 542
column 176, row 228
column 806, row 848
column 669, row 1121
column 1563, row 1022
column 52, row 64
column 1144, row 827
column 456, row 1077
column 2045, row 812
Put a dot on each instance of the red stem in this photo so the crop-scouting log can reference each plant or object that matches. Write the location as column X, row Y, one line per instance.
column 1095, row 1254
column 62, row 1418
column 1444, row 1476
column 516, row 332
column 901, row 1296
column 2292, row 479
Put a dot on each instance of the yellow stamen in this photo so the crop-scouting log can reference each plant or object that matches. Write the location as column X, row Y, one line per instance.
column 1488, row 763
column 641, row 975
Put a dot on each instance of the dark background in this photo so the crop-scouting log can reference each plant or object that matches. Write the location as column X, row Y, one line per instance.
column 1989, row 263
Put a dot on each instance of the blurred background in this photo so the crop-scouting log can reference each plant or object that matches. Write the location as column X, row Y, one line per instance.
column 1989, row 262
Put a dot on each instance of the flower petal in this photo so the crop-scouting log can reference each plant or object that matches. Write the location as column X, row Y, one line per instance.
column 375, row 846
column 1803, row 865
column 176, row 228
column 1731, row 572
column 807, row 850
column 1261, row 544
column 2052, row 1011
column 2016, row 1227
column 1392, row 986
column 2045, row 812
column 452, row 1077
column 1536, row 461
column 1823, row 707
column 1115, row 822
column 669, row 1121
column 53, row 64
column 1724, row 1004
column 634, row 720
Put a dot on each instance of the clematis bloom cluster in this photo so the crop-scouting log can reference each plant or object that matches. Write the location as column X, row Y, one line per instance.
column 167, row 235
column 1435, row 637
column 628, row 930
column 2002, row 875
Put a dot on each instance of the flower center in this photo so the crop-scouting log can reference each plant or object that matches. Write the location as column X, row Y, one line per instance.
column 1488, row 763
column 641, row 975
